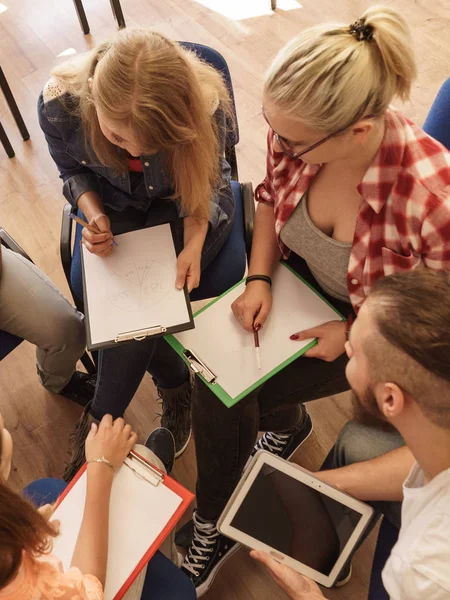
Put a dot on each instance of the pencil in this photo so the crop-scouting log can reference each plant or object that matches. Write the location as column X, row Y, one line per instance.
column 86, row 224
column 257, row 349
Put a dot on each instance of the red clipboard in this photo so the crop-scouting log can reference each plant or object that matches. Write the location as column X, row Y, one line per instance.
column 186, row 499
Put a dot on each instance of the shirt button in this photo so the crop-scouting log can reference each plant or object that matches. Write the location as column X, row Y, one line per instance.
column 150, row 187
column 83, row 162
column 354, row 282
column 147, row 164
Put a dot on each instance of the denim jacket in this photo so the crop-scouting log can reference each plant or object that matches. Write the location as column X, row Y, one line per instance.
column 81, row 172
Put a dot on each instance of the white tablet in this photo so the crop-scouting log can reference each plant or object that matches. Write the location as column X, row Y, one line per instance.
column 299, row 520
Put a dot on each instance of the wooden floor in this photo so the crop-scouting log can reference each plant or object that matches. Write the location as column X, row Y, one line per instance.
column 32, row 36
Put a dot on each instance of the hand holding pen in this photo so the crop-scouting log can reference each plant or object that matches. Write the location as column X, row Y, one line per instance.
column 97, row 236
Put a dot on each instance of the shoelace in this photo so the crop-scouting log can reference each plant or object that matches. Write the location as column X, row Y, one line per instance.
column 205, row 535
column 273, row 442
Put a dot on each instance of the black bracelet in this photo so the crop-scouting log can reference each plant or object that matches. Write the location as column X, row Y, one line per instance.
column 265, row 278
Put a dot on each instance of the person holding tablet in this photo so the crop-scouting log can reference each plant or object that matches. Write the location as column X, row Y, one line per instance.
column 399, row 371
column 353, row 192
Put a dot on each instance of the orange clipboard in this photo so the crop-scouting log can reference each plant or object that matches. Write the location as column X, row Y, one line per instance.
column 160, row 478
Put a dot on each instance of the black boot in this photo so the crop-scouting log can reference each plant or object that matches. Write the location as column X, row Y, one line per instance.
column 176, row 414
column 80, row 389
column 76, row 444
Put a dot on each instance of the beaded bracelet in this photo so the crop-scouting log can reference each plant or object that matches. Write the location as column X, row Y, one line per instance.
column 265, row 278
column 103, row 460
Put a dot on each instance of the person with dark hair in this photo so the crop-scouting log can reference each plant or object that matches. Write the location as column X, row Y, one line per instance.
column 399, row 371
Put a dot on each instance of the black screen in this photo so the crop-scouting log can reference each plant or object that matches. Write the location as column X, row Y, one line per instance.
column 295, row 519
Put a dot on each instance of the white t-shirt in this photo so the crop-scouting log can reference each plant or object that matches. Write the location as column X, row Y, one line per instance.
column 419, row 565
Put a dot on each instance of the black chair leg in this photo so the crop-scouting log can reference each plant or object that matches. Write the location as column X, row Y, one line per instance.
column 88, row 364
column 13, row 106
column 273, row 4
column 81, row 16
column 118, row 14
column 6, row 143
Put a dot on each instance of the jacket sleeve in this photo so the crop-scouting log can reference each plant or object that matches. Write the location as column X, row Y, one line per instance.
column 77, row 178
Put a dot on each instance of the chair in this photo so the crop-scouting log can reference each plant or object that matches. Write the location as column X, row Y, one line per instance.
column 437, row 123
column 229, row 266
column 8, row 341
column 16, row 114
column 115, row 7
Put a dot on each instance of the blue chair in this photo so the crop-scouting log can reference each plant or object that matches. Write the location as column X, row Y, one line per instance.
column 8, row 341
column 437, row 123
column 229, row 266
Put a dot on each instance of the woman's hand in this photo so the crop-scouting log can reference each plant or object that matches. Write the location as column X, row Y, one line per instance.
column 253, row 306
column 100, row 243
column 111, row 439
column 296, row 586
column 189, row 267
column 331, row 338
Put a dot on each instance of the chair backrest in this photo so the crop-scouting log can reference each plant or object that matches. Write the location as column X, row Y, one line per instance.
column 216, row 60
column 437, row 123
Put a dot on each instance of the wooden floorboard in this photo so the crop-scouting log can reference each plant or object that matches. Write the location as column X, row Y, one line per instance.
column 32, row 35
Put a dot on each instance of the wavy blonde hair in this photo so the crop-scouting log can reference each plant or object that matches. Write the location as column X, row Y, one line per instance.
column 330, row 79
column 167, row 95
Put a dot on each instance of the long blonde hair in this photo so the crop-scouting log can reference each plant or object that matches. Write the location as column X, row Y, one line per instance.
column 330, row 78
column 167, row 95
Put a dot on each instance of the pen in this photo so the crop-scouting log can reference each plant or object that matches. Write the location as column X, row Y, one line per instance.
column 257, row 349
column 86, row 224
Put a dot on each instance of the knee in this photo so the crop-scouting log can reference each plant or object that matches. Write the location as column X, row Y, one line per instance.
column 351, row 444
column 69, row 331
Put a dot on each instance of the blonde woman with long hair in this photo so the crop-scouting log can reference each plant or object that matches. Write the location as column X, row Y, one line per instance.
column 354, row 191
column 137, row 130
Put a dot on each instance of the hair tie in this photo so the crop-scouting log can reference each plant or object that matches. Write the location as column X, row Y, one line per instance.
column 361, row 31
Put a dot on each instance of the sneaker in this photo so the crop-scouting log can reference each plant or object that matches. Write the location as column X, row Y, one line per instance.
column 185, row 535
column 207, row 553
column 176, row 414
column 286, row 443
column 80, row 389
column 161, row 443
column 76, row 444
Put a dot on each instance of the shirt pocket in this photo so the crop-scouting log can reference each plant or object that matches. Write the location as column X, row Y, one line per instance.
column 393, row 262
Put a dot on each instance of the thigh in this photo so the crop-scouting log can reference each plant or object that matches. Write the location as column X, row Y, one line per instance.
column 303, row 380
column 164, row 580
column 29, row 302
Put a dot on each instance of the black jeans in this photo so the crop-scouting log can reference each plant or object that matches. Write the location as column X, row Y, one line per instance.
column 121, row 369
column 224, row 437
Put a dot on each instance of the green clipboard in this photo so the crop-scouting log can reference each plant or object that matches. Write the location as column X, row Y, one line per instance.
column 199, row 364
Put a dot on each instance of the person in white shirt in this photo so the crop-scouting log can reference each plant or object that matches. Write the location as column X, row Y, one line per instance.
column 399, row 371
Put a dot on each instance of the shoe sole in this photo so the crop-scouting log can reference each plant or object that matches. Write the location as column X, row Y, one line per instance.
column 205, row 586
column 180, row 452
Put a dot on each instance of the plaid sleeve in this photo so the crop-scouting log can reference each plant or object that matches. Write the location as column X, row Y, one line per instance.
column 265, row 192
column 436, row 236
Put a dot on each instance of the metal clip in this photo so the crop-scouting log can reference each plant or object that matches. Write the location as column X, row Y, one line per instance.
column 143, row 469
column 140, row 334
column 198, row 366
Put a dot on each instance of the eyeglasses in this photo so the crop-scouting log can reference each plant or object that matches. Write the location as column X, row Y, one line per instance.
column 288, row 148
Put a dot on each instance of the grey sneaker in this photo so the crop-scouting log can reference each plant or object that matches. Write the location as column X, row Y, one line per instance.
column 176, row 414
column 76, row 443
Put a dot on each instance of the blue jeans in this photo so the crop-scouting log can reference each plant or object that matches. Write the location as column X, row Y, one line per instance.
column 163, row 579
column 121, row 369
column 358, row 443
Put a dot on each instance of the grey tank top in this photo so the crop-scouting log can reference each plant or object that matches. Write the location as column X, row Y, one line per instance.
column 326, row 258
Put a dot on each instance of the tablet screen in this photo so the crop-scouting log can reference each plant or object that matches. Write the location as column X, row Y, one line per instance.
column 295, row 519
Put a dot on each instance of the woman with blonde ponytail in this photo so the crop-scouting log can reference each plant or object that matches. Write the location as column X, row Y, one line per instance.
column 353, row 191
column 137, row 130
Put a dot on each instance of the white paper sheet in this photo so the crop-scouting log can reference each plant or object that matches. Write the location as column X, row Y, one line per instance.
column 134, row 287
column 139, row 512
column 229, row 352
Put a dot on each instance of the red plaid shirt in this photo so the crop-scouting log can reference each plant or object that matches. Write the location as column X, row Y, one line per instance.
column 404, row 219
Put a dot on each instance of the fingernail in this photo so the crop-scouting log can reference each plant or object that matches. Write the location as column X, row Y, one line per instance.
column 179, row 286
column 258, row 326
column 294, row 336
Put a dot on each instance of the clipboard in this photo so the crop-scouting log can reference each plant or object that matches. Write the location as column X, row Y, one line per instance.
column 141, row 472
column 130, row 295
column 222, row 354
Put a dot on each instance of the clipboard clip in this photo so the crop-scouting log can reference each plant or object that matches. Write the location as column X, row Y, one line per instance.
column 198, row 366
column 143, row 469
column 140, row 334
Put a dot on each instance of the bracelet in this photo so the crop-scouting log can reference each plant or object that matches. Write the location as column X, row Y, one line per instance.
column 265, row 278
column 103, row 460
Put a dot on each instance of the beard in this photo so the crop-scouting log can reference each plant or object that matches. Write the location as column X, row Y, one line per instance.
column 366, row 411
